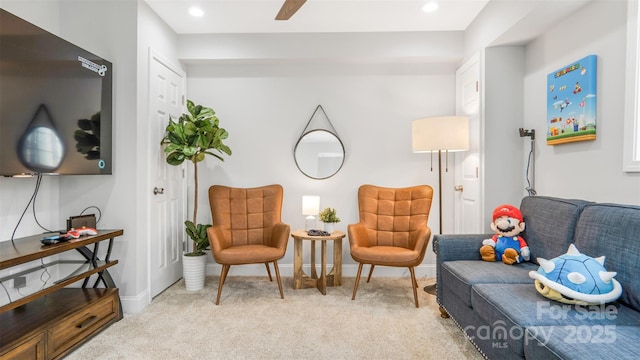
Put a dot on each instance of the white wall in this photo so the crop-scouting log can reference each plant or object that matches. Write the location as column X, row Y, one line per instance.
column 266, row 106
column 589, row 170
column 104, row 28
column 495, row 19
column 503, row 116
column 16, row 192
column 444, row 46
column 514, row 95
column 123, row 197
column 101, row 27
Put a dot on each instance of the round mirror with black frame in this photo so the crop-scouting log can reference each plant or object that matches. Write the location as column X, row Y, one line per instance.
column 319, row 154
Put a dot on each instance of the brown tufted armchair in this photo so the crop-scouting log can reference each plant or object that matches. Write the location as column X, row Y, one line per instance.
column 392, row 230
column 247, row 228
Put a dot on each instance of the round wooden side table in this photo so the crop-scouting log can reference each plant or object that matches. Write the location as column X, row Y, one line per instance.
column 334, row 278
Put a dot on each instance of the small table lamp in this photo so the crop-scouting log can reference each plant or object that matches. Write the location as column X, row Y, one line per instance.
column 310, row 207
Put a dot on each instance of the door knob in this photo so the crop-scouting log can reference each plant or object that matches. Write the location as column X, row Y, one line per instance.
column 157, row 190
column 458, row 188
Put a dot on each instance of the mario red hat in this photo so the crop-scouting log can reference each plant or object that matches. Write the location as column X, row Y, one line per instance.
column 507, row 210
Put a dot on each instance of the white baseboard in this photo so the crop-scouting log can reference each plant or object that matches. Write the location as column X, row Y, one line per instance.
column 348, row 270
column 134, row 304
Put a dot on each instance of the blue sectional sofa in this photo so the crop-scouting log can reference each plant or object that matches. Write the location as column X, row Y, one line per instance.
column 502, row 314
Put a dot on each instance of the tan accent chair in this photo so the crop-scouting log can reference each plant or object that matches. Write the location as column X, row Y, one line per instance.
column 247, row 228
column 392, row 230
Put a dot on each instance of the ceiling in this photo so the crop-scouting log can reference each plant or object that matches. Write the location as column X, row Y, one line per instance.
column 257, row 16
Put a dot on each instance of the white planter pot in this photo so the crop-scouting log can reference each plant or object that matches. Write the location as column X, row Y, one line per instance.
column 193, row 268
column 328, row 227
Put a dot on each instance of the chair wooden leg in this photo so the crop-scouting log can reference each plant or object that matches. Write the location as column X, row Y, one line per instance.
column 268, row 271
column 223, row 276
column 443, row 313
column 355, row 286
column 370, row 272
column 414, row 285
column 275, row 265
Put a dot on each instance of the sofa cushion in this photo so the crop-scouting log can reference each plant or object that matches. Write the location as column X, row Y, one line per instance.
column 584, row 342
column 550, row 224
column 461, row 275
column 613, row 230
column 519, row 306
column 470, row 322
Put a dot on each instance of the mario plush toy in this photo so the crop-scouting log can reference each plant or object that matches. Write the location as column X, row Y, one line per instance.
column 506, row 244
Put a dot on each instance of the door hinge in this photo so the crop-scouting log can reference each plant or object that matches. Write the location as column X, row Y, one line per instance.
column 477, row 172
column 477, row 86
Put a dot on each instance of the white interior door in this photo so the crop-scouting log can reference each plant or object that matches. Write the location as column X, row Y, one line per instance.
column 468, row 199
column 168, row 184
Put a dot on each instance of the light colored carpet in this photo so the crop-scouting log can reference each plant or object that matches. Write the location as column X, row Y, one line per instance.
column 252, row 322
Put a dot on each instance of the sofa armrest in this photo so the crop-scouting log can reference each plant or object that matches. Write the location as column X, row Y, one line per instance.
column 455, row 247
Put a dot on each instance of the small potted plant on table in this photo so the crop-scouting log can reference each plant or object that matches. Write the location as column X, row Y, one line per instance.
column 329, row 218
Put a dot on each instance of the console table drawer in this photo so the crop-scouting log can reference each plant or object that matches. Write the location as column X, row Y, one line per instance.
column 32, row 348
column 82, row 324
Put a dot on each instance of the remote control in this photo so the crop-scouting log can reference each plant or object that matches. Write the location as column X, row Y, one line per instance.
column 49, row 240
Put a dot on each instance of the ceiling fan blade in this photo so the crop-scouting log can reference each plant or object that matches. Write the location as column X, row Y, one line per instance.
column 289, row 8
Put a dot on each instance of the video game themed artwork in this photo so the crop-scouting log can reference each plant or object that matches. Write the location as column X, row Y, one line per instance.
column 571, row 102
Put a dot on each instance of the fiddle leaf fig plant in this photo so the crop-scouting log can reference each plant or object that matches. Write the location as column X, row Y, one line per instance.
column 192, row 137
column 197, row 233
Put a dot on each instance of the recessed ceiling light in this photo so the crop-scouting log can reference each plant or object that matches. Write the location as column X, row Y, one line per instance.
column 431, row 6
column 196, row 11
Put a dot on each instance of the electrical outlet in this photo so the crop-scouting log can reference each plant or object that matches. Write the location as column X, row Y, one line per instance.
column 20, row 282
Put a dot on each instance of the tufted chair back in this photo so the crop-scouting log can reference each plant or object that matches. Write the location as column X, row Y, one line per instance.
column 392, row 230
column 246, row 216
column 391, row 215
column 247, row 228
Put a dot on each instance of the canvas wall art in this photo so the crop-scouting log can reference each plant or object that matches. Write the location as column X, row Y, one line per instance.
column 571, row 102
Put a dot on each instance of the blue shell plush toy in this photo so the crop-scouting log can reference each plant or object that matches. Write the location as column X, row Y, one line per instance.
column 575, row 278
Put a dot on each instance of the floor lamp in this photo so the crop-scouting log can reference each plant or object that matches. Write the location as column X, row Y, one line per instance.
column 441, row 134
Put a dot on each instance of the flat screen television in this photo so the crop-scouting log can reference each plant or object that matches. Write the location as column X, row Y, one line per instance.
column 55, row 104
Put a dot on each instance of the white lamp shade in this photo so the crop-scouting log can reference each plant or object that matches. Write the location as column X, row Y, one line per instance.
column 310, row 204
column 449, row 133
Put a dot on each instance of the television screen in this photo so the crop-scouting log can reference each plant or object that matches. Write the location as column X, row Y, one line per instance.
column 55, row 104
